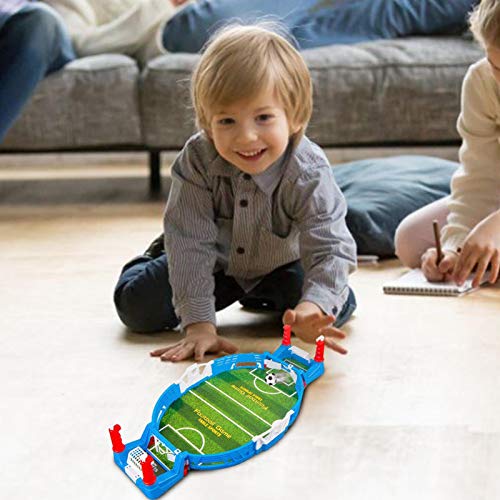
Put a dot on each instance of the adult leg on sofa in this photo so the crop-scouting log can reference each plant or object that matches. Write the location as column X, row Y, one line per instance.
column 364, row 20
column 315, row 23
column 33, row 43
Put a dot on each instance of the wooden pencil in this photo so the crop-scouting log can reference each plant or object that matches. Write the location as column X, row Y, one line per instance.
column 437, row 237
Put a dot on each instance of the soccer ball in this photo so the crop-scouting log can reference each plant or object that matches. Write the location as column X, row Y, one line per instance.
column 271, row 379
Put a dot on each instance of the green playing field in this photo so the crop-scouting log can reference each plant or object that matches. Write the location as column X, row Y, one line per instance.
column 228, row 410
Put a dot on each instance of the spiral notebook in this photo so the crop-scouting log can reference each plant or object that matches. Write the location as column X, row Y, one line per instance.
column 415, row 283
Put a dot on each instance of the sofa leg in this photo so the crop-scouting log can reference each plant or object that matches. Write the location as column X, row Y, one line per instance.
column 154, row 172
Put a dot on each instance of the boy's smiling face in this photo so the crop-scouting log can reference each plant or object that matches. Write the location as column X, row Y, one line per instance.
column 252, row 134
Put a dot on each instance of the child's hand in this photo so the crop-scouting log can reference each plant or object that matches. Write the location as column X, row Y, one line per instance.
column 308, row 322
column 200, row 338
column 176, row 3
column 444, row 271
column 481, row 248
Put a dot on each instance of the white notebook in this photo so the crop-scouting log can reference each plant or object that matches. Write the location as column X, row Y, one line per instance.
column 415, row 283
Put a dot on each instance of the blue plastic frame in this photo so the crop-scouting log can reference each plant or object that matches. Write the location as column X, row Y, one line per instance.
column 184, row 460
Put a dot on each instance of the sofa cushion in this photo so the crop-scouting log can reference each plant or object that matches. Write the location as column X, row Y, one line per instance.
column 383, row 92
column 381, row 192
column 92, row 102
column 167, row 113
column 389, row 91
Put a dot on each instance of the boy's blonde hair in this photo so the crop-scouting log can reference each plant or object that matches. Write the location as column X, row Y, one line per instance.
column 484, row 22
column 242, row 61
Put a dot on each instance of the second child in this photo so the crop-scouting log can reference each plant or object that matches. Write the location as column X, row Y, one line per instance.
column 471, row 215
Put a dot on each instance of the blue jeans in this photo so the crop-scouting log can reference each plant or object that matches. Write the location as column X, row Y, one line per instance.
column 33, row 43
column 315, row 23
column 143, row 296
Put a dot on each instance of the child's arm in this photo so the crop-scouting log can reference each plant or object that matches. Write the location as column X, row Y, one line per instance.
column 328, row 255
column 190, row 247
column 200, row 339
column 481, row 249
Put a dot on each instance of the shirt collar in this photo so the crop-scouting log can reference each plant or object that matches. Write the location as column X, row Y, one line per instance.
column 268, row 180
column 223, row 168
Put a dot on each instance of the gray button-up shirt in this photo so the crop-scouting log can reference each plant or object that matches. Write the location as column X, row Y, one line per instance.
column 219, row 218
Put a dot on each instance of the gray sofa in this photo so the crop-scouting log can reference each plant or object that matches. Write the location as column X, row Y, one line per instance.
column 389, row 92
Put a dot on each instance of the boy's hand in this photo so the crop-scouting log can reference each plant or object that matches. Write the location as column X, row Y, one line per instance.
column 308, row 322
column 200, row 338
column 444, row 271
column 176, row 3
column 481, row 249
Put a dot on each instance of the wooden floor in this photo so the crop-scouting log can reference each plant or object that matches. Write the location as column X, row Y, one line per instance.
column 412, row 412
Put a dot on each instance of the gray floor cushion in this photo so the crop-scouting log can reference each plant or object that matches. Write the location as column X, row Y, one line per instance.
column 381, row 192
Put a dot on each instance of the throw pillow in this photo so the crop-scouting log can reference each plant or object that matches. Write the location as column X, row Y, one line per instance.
column 381, row 192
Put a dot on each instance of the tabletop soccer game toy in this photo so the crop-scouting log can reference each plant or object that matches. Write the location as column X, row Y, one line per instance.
column 219, row 414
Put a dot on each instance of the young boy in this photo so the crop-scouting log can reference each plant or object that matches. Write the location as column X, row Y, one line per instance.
column 253, row 212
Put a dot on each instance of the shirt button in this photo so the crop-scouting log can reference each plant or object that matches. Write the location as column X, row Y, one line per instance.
column 240, row 250
column 247, row 177
column 244, row 203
